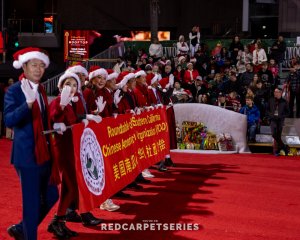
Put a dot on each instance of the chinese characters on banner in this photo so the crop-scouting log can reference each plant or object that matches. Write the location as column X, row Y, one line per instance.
column 111, row 154
column 76, row 45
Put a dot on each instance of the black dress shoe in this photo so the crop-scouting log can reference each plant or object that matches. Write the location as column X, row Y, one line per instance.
column 58, row 229
column 162, row 169
column 89, row 220
column 72, row 216
column 134, row 185
column 16, row 233
column 169, row 162
column 69, row 232
column 121, row 194
column 143, row 180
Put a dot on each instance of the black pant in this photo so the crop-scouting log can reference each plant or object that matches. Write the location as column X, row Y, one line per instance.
column 294, row 95
column 276, row 129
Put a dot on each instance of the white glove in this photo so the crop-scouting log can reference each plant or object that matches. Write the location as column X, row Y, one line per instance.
column 117, row 97
column 65, row 96
column 149, row 108
column 60, row 127
column 85, row 122
column 30, row 93
column 95, row 118
column 100, row 104
column 138, row 111
column 159, row 106
column 171, row 80
column 75, row 99
column 132, row 112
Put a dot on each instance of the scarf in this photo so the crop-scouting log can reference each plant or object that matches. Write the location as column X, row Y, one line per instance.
column 42, row 153
column 41, row 149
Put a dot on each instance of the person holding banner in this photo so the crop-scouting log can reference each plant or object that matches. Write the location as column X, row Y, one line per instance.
column 95, row 90
column 140, row 90
column 66, row 110
column 167, row 88
column 71, row 214
column 155, row 99
column 26, row 111
column 82, row 73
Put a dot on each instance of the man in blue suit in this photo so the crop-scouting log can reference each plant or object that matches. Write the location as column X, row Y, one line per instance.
column 26, row 111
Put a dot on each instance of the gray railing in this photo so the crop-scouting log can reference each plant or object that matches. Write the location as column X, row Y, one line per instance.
column 105, row 59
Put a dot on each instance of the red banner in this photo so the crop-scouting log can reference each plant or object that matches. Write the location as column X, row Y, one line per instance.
column 110, row 155
column 76, row 45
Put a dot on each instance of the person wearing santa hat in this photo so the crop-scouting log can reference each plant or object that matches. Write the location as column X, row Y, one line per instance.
column 182, row 47
column 71, row 214
column 155, row 98
column 154, row 95
column 131, row 85
column 93, row 94
column 66, row 110
column 26, row 111
column 108, row 91
column 141, row 91
column 123, row 106
column 166, row 91
column 190, row 74
column 82, row 73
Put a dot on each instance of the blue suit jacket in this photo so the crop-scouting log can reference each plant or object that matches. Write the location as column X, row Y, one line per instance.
column 18, row 116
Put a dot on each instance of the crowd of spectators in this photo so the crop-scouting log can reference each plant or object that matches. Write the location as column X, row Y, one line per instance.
column 223, row 77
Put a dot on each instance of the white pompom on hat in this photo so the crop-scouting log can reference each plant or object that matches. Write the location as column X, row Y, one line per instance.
column 24, row 55
column 68, row 75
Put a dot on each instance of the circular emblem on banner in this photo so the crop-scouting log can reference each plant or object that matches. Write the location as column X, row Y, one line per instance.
column 92, row 163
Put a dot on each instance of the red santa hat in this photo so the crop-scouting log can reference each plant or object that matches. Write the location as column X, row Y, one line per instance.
column 189, row 63
column 188, row 92
column 193, row 60
column 148, row 67
column 68, row 75
column 26, row 54
column 180, row 59
column 78, row 68
column 139, row 73
column 151, row 78
column 163, row 83
column 97, row 71
column 124, row 77
column 111, row 74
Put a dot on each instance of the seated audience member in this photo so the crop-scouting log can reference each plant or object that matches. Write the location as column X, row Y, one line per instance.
column 222, row 101
column 234, row 101
column 181, row 95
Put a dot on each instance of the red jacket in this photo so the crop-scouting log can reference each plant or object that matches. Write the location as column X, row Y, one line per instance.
column 123, row 106
column 141, row 93
column 152, row 99
column 63, row 149
column 131, row 99
column 90, row 97
column 108, row 97
column 187, row 76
